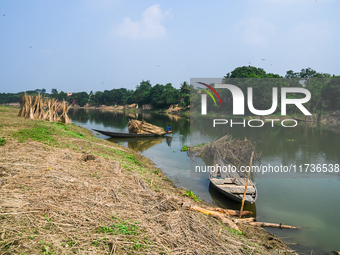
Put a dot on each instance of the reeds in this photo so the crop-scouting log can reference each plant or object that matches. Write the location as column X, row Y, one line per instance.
column 37, row 107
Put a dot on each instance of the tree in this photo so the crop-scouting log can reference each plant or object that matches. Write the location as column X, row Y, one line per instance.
column 142, row 92
column 54, row 91
column 246, row 72
column 62, row 96
column 315, row 87
column 185, row 88
column 331, row 93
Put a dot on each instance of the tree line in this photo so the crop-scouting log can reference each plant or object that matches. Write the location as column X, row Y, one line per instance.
column 159, row 96
column 325, row 91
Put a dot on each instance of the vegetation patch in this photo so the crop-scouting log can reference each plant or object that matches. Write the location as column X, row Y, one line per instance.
column 37, row 133
column 2, row 141
column 124, row 228
column 185, row 148
column 193, row 196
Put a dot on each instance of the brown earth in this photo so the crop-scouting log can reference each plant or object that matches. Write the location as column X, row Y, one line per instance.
column 64, row 191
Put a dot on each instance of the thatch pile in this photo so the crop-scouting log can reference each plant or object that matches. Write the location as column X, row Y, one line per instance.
column 236, row 152
column 142, row 127
column 37, row 107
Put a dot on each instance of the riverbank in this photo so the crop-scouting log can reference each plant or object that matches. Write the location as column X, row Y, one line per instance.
column 176, row 112
column 65, row 191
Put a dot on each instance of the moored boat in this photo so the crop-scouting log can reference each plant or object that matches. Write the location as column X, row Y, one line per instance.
column 126, row 135
column 232, row 184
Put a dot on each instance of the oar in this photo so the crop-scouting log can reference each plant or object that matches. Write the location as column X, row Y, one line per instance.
column 245, row 189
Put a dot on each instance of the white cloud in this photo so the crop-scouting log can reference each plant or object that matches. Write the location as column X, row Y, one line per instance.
column 255, row 31
column 150, row 26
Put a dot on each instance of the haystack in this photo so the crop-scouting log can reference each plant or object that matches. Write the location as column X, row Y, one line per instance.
column 142, row 127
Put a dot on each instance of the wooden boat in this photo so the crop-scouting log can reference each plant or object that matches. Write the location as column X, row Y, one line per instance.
column 232, row 184
column 126, row 135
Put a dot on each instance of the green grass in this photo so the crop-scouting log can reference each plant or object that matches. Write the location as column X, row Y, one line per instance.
column 2, row 141
column 38, row 133
column 121, row 229
column 234, row 232
column 192, row 195
column 185, row 147
column 126, row 156
column 45, row 132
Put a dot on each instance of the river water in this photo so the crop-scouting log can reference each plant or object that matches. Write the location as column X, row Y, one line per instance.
column 308, row 200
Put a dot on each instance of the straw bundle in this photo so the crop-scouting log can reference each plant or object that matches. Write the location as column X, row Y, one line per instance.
column 142, row 127
column 64, row 118
column 36, row 107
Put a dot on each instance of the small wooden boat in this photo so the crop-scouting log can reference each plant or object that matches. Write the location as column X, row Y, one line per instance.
column 232, row 184
column 126, row 135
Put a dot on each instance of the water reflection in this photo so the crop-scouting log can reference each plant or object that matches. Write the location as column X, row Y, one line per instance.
column 168, row 141
column 139, row 144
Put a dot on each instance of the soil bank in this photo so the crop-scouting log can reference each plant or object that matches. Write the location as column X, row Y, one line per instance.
column 64, row 191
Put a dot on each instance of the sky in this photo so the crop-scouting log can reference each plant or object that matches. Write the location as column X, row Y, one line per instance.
column 97, row 45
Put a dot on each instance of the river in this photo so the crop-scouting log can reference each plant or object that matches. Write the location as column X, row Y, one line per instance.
column 308, row 200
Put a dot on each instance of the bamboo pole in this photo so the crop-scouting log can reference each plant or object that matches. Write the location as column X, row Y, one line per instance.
column 272, row 225
column 245, row 189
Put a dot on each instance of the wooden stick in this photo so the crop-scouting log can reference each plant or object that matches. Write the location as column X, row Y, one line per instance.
column 272, row 225
column 229, row 212
column 18, row 212
column 212, row 213
column 245, row 189
column 245, row 220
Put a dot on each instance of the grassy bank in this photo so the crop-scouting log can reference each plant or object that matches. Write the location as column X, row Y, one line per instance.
column 64, row 191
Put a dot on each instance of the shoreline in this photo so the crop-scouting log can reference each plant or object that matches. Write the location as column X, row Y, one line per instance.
column 65, row 191
column 327, row 119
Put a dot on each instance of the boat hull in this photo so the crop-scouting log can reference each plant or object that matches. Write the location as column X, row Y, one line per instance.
column 232, row 184
column 126, row 135
column 234, row 197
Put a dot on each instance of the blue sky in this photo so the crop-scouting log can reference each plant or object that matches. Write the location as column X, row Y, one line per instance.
column 97, row 45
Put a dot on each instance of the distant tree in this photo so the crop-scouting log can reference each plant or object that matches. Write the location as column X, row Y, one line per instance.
column 62, row 96
column 318, row 88
column 81, row 98
column 142, row 92
column 185, row 88
column 156, row 95
column 54, row 91
column 246, row 72
column 170, row 94
column 331, row 93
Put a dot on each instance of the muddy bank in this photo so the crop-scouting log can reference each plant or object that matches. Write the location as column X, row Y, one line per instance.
column 65, row 191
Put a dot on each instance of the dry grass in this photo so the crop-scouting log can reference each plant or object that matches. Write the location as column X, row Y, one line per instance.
column 237, row 152
column 84, row 195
